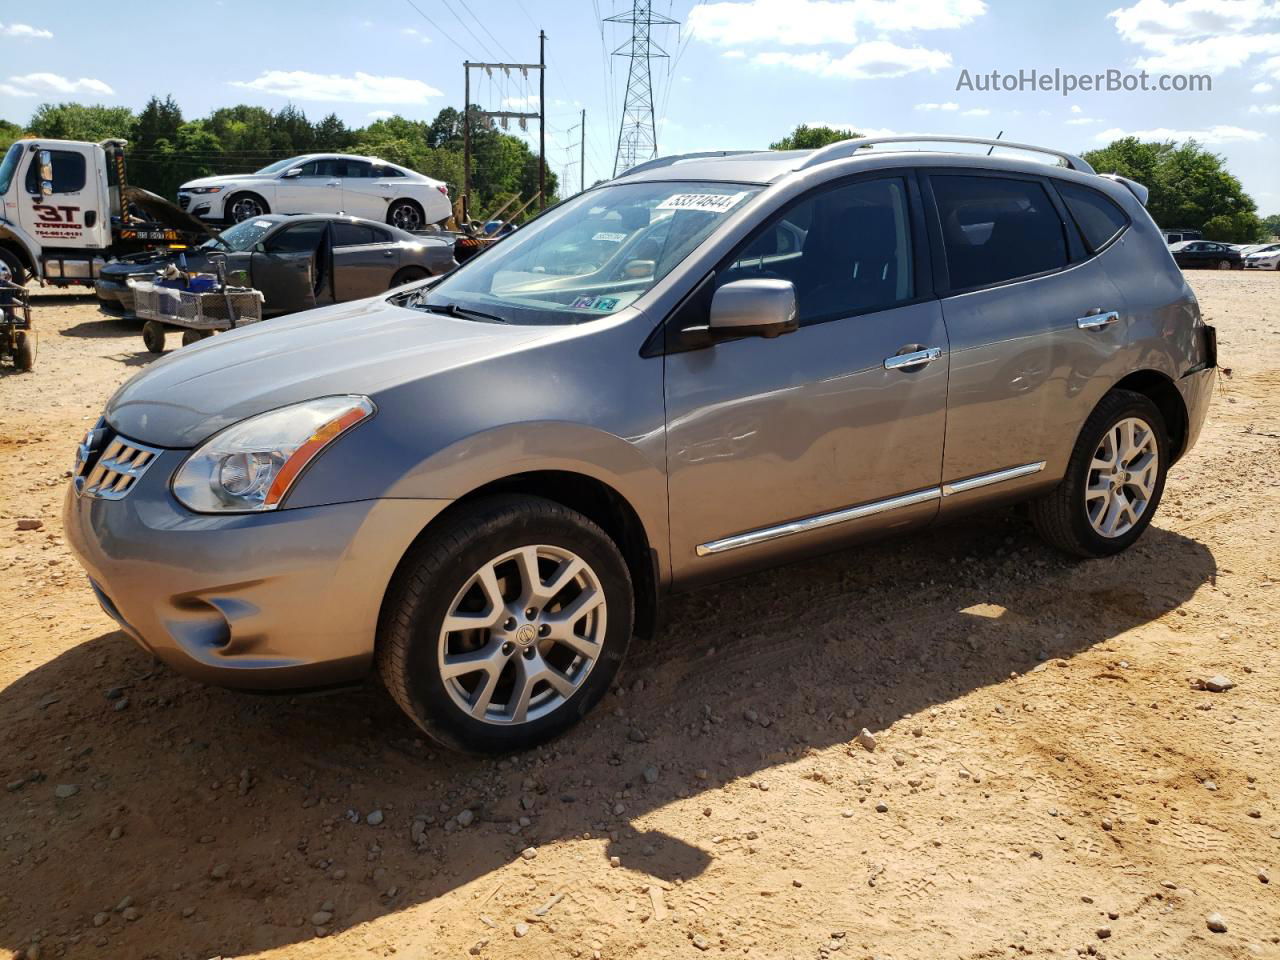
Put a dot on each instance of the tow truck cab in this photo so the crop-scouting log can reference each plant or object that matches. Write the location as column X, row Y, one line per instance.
column 61, row 216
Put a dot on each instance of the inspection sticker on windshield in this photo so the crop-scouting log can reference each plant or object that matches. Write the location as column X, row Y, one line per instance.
column 262, row 223
column 611, row 237
column 707, row 202
column 603, row 304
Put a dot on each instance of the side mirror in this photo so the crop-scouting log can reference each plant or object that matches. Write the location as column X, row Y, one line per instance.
column 639, row 269
column 259, row 248
column 753, row 308
column 291, row 173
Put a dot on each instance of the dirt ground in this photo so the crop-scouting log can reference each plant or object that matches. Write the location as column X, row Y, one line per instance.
column 1046, row 780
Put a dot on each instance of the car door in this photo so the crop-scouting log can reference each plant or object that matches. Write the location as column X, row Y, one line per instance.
column 363, row 194
column 316, row 189
column 1036, row 328
column 782, row 446
column 291, row 267
column 364, row 260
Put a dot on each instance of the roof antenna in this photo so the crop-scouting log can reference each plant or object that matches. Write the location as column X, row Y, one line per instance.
column 993, row 146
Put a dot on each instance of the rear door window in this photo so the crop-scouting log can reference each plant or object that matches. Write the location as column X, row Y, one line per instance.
column 352, row 235
column 996, row 229
column 1099, row 218
column 298, row 238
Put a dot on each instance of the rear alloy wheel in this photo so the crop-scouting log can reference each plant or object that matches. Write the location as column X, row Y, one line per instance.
column 1114, row 480
column 244, row 206
column 506, row 625
column 406, row 215
column 1224, row 264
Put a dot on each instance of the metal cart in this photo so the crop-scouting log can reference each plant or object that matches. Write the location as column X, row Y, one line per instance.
column 198, row 314
column 17, row 339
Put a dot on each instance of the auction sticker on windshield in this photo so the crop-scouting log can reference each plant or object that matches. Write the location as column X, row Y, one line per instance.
column 611, row 237
column 707, row 202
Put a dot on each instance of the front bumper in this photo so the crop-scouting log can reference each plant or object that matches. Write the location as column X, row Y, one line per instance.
column 113, row 290
column 1268, row 264
column 275, row 601
column 206, row 206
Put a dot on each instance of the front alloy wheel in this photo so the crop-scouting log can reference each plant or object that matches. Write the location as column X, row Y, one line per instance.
column 505, row 623
column 245, row 207
column 523, row 634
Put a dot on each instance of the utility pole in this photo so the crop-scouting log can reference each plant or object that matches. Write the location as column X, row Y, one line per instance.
column 542, row 119
column 637, row 136
column 504, row 115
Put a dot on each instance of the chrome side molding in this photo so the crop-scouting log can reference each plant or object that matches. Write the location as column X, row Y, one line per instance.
column 986, row 479
column 821, row 520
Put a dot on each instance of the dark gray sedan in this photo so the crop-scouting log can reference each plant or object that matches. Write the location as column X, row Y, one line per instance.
column 298, row 262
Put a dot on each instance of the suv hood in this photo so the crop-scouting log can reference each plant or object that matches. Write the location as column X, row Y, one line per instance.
column 363, row 348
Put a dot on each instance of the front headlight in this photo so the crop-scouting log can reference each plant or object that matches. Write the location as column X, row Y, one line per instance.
column 250, row 466
column 203, row 189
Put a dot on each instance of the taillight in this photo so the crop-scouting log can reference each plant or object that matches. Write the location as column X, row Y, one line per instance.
column 443, row 189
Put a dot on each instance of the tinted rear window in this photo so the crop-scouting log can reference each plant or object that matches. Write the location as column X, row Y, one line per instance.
column 1099, row 218
column 996, row 229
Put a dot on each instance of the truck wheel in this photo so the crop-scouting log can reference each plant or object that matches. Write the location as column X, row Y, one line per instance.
column 194, row 336
column 17, row 272
column 242, row 206
column 406, row 215
column 505, row 624
column 153, row 336
column 1114, row 480
column 24, row 351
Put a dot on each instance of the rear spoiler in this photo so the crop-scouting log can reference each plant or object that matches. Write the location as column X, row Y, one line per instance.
column 1137, row 189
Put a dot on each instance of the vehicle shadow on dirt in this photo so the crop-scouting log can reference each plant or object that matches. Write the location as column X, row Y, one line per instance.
column 106, row 326
column 741, row 679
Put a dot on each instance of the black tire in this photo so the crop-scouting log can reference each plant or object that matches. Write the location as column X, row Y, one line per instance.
column 192, row 336
column 1061, row 518
column 434, row 572
column 10, row 259
column 231, row 214
column 408, row 275
column 153, row 336
column 24, row 351
column 407, row 215
column 1224, row 264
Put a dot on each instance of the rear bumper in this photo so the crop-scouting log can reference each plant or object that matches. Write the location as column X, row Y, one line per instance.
column 278, row 601
column 1197, row 391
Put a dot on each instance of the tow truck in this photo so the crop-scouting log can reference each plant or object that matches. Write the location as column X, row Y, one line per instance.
column 66, row 209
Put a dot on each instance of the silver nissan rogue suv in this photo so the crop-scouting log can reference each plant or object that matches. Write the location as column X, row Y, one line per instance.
column 481, row 486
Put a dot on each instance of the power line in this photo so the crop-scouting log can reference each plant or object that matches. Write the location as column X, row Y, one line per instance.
column 505, row 52
column 483, row 46
column 439, row 29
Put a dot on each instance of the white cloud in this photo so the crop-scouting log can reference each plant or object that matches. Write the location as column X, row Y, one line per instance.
column 1081, row 121
column 1076, row 109
column 817, row 22
column 334, row 87
column 1262, row 88
column 381, row 114
column 50, row 84
column 1265, row 108
column 24, row 31
column 521, row 104
column 977, row 112
column 1218, row 133
column 1272, row 68
column 876, row 58
column 734, row 54
column 1199, row 35
column 938, row 106
column 414, row 34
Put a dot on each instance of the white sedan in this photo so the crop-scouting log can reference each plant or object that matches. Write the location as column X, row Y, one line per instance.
column 322, row 183
column 1266, row 257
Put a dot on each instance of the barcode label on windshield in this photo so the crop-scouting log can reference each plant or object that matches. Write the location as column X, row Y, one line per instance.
column 707, row 202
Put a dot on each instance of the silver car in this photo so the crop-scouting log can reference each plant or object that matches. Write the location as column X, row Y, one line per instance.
column 482, row 486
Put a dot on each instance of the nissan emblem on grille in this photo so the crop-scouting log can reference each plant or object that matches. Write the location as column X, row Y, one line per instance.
column 109, row 473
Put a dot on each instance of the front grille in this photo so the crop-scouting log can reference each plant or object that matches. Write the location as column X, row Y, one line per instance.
column 184, row 200
column 109, row 465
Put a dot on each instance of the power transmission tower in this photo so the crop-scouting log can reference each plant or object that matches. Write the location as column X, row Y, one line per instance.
column 637, row 137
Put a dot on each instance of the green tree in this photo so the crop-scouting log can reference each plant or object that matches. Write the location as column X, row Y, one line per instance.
column 153, row 162
column 805, row 137
column 74, row 121
column 1190, row 186
column 1271, row 225
column 9, row 132
column 332, row 134
column 291, row 131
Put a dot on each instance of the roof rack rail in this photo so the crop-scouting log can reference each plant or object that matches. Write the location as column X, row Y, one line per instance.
column 677, row 157
column 847, row 148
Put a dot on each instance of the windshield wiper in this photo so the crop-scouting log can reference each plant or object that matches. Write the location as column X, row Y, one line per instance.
column 462, row 313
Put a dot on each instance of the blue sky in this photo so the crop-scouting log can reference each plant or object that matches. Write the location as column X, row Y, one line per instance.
column 741, row 72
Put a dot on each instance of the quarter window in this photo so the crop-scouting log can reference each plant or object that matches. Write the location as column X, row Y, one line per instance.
column 996, row 229
column 68, row 172
column 847, row 250
column 1097, row 216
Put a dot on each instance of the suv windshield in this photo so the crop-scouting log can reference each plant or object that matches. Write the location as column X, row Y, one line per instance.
column 281, row 165
column 239, row 238
column 591, row 257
